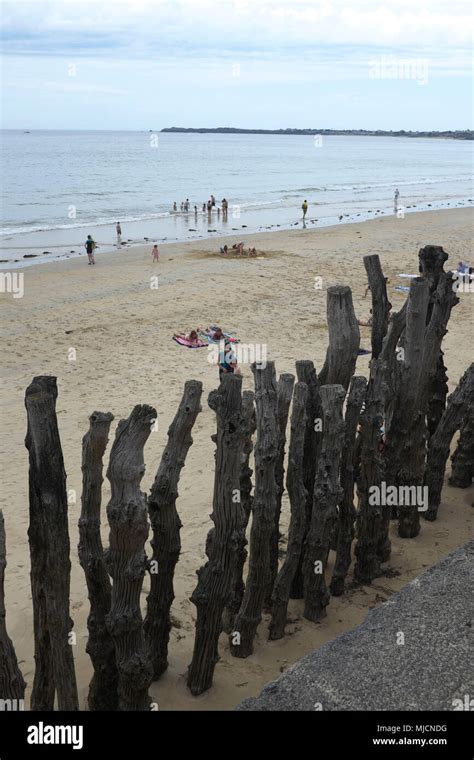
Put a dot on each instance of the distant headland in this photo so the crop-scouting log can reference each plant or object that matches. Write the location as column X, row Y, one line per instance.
column 465, row 134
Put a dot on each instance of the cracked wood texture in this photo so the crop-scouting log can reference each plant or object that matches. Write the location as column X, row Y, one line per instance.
column 297, row 495
column 380, row 303
column 12, row 684
column 48, row 536
column 100, row 647
column 166, row 525
column 215, row 579
column 327, row 495
column 462, row 470
column 126, row 560
column 284, row 394
column 438, row 449
column 263, row 517
column 347, row 513
column 246, row 500
column 306, row 374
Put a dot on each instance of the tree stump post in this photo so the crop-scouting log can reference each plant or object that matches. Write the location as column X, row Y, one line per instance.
column 431, row 265
column 100, row 647
column 344, row 338
column 126, row 560
column 380, row 303
column 284, row 394
column 462, row 471
column 306, row 374
column 49, row 550
column 224, row 540
column 264, row 505
column 246, row 500
column 297, row 495
column 166, row 524
column 12, row 684
column 438, row 448
column 347, row 512
column 327, row 495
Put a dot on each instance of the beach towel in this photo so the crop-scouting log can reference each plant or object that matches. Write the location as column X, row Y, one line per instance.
column 227, row 336
column 189, row 343
column 402, row 288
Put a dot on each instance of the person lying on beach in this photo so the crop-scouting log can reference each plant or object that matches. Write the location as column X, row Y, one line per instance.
column 192, row 336
column 214, row 332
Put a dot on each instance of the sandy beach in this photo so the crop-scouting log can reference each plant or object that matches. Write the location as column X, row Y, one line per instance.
column 120, row 326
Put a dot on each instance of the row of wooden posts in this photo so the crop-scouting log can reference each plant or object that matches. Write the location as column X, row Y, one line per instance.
column 334, row 445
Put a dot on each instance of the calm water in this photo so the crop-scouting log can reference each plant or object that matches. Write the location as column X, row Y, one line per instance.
column 60, row 186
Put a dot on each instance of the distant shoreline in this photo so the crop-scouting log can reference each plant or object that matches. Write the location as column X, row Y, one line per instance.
column 466, row 134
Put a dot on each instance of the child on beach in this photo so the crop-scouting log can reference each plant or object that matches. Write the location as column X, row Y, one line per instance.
column 90, row 246
column 155, row 253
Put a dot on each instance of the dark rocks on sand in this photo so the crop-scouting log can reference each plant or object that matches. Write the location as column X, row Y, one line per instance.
column 30, row 255
column 45, row 252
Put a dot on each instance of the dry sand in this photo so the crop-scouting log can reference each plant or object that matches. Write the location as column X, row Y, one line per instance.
column 121, row 330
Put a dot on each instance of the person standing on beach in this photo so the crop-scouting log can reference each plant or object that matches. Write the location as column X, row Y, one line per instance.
column 90, row 246
column 305, row 208
column 224, row 206
column 213, row 201
column 175, row 208
column 395, row 201
column 119, row 232
column 155, row 253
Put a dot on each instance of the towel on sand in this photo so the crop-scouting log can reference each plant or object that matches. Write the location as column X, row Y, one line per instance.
column 402, row 288
column 189, row 343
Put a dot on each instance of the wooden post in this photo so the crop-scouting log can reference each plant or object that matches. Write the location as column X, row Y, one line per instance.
column 431, row 265
column 347, row 512
column 100, row 647
column 215, row 578
column 380, row 303
column 127, row 515
column 344, row 338
column 306, row 374
column 246, row 501
column 327, row 495
column 297, row 496
column 462, row 471
column 266, row 451
column 438, row 449
column 284, row 393
column 12, row 684
column 49, row 550
column 166, row 524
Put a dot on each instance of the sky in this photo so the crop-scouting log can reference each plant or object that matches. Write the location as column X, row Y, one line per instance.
column 322, row 64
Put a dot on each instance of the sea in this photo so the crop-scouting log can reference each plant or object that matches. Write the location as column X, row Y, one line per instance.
column 60, row 186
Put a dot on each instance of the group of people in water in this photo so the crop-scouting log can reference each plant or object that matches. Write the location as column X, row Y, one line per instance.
column 185, row 207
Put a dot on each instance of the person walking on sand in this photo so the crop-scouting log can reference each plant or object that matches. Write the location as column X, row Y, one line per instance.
column 305, row 208
column 155, row 253
column 395, row 201
column 90, row 246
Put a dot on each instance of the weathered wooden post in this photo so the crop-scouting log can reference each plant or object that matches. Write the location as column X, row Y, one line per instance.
column 166, row 524
column 347, row 512
column 264, row 504
column 246, row 500
column 126, row 560
column 297, row 496
column 12, row 684
column 344, row 338
column 306, row 374
column 462, row 471
column 49, row 550
column 327, row 495
column 224, row 540
column 440, row 441
column 100, row 647
column 431, row 265
column 284, row 393
column 380, row 303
